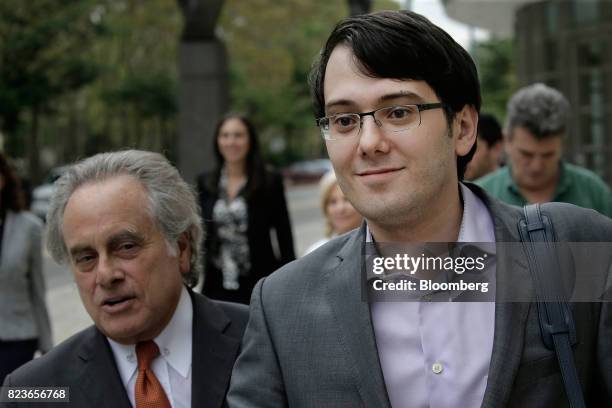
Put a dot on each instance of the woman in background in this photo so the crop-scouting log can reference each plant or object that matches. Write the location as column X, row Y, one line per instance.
column 340, row 215
column 24, row 321
column 242, row 205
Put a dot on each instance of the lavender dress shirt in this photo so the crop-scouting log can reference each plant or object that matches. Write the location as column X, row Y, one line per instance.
column 437, row 354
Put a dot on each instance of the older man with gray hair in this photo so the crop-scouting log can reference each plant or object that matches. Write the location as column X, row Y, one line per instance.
column 536, row 123
column 130, row 228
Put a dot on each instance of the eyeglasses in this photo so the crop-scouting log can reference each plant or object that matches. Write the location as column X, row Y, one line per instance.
column 391, row 119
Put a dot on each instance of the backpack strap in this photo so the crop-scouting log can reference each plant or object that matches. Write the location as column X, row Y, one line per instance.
column 555, row 315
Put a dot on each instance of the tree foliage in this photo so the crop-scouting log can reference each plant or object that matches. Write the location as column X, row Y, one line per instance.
column 92, row 75
column 43, row 55
column 497, row 75
column 272, row 45
column 133, row 102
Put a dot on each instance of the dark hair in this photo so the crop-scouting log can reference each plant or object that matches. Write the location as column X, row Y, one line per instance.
column 489, row 129
column 255, row 168
column 12, row 196
column 405, row 45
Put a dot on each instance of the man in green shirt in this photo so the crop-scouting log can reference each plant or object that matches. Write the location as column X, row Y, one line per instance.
column 535, row 124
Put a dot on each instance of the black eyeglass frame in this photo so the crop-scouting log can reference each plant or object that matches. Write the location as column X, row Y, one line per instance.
column 420, row 107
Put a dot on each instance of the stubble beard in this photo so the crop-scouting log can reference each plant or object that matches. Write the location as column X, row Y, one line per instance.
column 409, row 208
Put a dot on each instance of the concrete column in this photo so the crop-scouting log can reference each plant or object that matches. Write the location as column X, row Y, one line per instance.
column 203, row 99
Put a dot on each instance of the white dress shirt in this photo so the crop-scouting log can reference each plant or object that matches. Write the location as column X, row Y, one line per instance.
column 173, row 366
column 437, row 354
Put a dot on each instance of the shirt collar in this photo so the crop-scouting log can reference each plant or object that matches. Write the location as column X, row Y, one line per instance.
column 476, row 231
column 476, row 222
column 564, row 182
column 174, row 342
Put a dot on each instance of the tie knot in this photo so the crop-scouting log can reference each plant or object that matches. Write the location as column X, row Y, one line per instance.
column 146, row 351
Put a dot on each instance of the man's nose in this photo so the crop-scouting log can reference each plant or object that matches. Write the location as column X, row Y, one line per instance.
column 107, row 272
column 537, row 164
column 372, row 140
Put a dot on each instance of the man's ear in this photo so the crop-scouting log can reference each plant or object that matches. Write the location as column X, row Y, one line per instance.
column 184, row 252
column 464, row 129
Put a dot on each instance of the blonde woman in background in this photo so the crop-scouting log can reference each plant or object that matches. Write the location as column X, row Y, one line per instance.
column 340, row 215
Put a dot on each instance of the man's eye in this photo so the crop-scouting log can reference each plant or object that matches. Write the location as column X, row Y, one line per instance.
column 127, row 246
column 344, row 121
column 81, row 259
column 400, row 112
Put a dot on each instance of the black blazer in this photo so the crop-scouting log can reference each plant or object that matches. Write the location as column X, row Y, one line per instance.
column 86, row 365
column 267, row 211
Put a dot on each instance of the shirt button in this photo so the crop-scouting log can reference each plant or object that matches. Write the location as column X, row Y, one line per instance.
column 437, row 368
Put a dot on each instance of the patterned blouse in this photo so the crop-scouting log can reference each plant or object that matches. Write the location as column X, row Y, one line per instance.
column 231, row 219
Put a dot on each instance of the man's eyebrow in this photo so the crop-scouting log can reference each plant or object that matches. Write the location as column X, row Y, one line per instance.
column 339, row 102
column 112, row 241
column 401, row 94
column 75, row 250
column 384, row 98
column 125, row 235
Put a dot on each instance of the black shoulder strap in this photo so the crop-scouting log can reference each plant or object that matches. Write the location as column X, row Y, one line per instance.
column 555, row 316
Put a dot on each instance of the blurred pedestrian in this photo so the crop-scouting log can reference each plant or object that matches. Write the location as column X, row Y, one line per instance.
column 242, row 203
column 489, row 148
column 536, row 123
column 340, row 215
column 24, row 321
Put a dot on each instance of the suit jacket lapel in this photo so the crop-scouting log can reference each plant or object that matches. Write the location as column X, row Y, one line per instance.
column 354, row 322
column 513, row 282
column 214, row 353
column 98, row 378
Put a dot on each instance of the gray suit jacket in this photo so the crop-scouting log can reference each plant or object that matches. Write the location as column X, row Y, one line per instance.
column 23, row 311
column 86, row 365
column 310, row 341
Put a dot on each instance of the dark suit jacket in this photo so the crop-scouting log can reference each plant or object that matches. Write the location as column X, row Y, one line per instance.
column 267, row 211
column 86, row 365
column 310, row 341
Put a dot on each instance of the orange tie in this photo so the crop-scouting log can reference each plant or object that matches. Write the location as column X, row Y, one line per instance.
column 148, row 391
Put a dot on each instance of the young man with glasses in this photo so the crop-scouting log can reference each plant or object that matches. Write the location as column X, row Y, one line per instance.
column 397, row 102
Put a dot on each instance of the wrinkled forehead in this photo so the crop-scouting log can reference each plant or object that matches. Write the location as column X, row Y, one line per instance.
column 113, row 198
column 104, row 224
